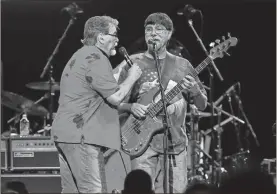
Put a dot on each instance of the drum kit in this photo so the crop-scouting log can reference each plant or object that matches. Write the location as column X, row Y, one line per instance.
column 201, row 165
column 22, row 105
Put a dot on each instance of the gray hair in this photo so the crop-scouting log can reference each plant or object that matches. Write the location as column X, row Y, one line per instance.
column 96, row 25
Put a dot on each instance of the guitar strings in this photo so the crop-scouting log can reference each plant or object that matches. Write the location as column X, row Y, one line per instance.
column 157, row 107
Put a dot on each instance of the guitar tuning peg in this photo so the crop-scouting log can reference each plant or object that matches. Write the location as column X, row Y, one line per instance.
column 217, row 41
column 212, row 44
column 223, row 38
column 229, row 34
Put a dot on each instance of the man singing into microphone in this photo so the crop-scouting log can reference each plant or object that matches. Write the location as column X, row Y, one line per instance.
column 87, row 120
column 158, row 31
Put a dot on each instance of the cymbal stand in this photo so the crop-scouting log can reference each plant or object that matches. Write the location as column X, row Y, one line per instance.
column 194, row 140
column 239, row 146
column 218, row 150
column 246, row 119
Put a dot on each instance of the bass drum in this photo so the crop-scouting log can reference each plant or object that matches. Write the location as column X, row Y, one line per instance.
column 117, row 166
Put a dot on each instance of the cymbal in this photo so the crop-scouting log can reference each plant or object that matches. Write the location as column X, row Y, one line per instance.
column 22, row 104
column 43, row 85
column 202, row 114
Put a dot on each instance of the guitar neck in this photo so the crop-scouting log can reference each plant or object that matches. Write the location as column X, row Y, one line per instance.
column 157, row 107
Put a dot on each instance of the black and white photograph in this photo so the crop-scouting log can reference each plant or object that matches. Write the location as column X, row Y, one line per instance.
column 157, row 96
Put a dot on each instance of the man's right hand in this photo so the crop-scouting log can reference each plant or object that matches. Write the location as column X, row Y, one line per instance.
column 139, row 110
column 134, row 72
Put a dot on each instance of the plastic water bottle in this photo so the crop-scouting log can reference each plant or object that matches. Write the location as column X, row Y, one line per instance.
column 24, row 125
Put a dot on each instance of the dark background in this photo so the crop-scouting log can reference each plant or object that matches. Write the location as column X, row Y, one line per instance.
column 31, row 29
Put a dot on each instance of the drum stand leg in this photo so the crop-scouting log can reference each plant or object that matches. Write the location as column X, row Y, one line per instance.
column 196, row 148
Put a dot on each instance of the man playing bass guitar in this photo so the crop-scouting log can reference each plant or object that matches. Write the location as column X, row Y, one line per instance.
column 158, row 29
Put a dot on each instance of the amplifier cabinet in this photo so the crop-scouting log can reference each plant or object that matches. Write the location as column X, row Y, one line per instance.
column 33, row 153
column 4, row 154
column 35, row 183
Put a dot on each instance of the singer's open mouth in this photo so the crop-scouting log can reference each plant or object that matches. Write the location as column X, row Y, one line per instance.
column 154, row 40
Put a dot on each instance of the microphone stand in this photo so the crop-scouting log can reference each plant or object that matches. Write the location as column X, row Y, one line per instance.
column 166, row 121
column 210, row 80
column 49, row 67
column 246, row 119
column 204, row 49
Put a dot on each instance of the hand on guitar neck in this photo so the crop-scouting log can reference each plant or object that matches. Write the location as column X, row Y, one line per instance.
column 190, row 85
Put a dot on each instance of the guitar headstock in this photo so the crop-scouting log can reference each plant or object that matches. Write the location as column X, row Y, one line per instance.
column 221, row 49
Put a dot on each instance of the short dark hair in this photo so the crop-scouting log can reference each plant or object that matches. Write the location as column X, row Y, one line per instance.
column 159, row 18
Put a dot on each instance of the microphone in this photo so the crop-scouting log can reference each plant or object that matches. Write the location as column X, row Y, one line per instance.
column 124, row 53
column 232, row 88
column 188, row 11
column 72, row 9
column 153, row 43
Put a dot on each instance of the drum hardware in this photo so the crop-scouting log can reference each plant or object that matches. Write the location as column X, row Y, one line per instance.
column 45, row 131
column 21, row 104
column 238, row 160
column 226, row 113
column 237, row 98
column 236, row 125
column 31, row 108
column 195, row 139
column 44, row 86
column 200, row 114
column 197, row 171
column 218, row 150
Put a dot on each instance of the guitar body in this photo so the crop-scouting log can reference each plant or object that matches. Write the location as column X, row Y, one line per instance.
column 137, row 133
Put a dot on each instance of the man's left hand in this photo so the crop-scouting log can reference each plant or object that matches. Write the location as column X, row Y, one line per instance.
column 191, row 85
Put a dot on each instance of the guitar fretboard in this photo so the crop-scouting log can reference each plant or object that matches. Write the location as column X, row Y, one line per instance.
column 157, row 107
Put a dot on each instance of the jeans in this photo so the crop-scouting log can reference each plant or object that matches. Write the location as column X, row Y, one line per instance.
column 152, row 163
column 81, row 168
